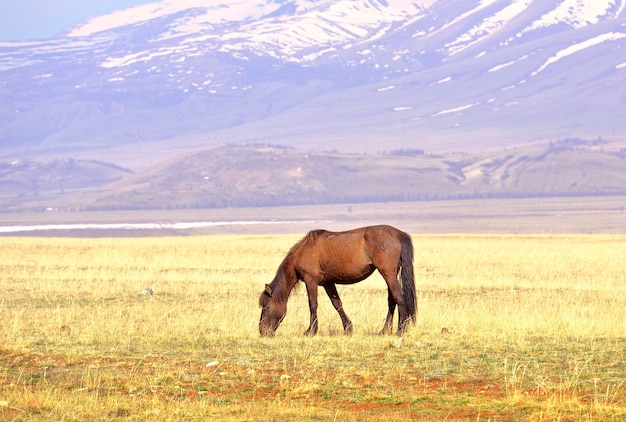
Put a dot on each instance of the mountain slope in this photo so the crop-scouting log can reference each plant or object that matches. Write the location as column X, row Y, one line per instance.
column 142, row 84
column 21, row 179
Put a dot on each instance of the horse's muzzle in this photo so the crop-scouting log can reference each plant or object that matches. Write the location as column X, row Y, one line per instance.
column 266, row 331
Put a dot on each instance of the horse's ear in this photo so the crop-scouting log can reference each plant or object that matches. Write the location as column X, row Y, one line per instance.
column 268, row 290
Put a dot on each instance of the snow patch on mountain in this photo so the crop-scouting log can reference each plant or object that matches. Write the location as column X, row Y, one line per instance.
column 578, row 13
column 612, row 36
column 322, row 26
column 507, row 64
column 351, row 13
column 482, row 4
column 489, row 25
column 454, row 110
column 225, row 11
column 325, row 27
column 142, row 56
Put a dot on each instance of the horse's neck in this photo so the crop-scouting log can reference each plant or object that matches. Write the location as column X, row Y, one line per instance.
column 285, row 280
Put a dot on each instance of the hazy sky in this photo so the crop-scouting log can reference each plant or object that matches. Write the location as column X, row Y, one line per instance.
column 31, row 19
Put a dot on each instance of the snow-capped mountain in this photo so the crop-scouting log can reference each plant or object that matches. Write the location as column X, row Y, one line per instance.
column 356, row 75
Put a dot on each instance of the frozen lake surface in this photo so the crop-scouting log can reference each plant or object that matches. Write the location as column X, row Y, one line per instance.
column 139, row 226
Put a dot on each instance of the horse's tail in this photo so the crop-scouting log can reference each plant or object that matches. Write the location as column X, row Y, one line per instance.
column 407, row 277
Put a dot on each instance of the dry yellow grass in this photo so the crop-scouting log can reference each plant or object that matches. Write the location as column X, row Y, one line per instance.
column 509, row 328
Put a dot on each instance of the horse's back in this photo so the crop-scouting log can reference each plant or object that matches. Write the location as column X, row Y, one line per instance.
column 377, row 230
column 384, row 234
column 383, row 229
column 363, row 238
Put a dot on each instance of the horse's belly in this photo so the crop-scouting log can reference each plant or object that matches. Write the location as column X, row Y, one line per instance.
column 348, row 275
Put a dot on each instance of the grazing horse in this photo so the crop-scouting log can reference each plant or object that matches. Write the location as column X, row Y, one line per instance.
column 324, row 258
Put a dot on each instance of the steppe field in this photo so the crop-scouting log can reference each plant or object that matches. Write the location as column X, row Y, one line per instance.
column 510, row 327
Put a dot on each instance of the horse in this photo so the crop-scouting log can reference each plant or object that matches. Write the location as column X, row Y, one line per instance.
column 325, row 258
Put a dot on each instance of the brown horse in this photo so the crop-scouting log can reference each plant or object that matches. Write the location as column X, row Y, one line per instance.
column 324, row 258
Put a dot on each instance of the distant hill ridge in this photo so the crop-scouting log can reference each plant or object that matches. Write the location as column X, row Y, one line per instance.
column 264, row 175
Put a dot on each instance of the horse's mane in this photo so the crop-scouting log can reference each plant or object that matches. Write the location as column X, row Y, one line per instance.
column 287, row 269
column 296, row 249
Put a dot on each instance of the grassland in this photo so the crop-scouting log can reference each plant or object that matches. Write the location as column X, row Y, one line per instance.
column 509, row 328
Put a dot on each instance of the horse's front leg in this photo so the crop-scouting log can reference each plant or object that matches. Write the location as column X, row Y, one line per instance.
column 331, row 290
column 311, row 290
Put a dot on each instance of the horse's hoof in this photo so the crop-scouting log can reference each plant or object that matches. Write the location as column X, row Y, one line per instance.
column 386, row 330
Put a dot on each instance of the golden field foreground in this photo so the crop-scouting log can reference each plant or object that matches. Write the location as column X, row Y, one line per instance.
column 508, row 328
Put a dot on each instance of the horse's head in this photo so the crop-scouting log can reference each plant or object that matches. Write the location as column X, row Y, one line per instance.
column 272, row 313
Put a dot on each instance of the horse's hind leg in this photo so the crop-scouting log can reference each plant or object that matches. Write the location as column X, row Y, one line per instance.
column 388, row 327
column 395, row 297
column 331, row 290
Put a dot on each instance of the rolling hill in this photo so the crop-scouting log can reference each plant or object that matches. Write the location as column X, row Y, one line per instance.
column 263, row 175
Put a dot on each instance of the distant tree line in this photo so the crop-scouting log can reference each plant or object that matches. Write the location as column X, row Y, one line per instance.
column 407, row 152
column 575, row 142
column 218, row 202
